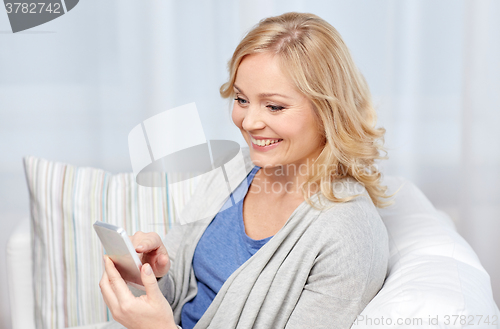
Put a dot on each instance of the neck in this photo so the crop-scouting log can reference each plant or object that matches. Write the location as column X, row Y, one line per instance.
column 285, row 180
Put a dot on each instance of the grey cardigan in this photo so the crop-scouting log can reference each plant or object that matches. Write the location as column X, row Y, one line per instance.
column 319, row 270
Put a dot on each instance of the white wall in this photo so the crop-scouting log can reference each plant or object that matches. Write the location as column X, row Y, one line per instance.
column 72, row 89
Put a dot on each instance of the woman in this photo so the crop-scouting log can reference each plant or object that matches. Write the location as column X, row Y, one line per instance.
column 305, row 247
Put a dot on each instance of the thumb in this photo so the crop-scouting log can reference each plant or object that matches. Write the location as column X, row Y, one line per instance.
column 150, row 283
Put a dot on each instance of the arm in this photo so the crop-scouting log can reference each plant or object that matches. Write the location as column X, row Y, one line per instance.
column 347, row 273
column 172, row 241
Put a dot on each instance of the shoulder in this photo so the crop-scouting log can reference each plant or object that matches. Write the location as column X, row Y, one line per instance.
column 351, row 240
column 357, row 216
column 354, row 227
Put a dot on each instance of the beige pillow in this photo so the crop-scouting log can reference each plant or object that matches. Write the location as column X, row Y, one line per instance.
column 67, row 255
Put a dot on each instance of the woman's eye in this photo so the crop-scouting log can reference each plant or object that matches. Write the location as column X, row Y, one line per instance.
column 275, row 108
column 240, row 100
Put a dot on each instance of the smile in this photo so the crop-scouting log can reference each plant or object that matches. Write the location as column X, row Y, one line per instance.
column 265, row 142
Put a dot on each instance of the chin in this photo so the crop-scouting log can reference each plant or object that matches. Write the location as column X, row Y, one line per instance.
column 262, row 162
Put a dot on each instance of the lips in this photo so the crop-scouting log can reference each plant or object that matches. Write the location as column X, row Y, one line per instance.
column 265, row 141
column 264, row 144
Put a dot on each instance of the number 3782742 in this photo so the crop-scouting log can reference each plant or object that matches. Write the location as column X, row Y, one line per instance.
column 32, row 8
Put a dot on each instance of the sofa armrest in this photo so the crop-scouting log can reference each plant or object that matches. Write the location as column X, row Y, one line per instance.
column 19, row 277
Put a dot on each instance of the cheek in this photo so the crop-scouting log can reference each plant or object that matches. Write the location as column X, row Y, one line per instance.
column 305, row 133
column 237, row 116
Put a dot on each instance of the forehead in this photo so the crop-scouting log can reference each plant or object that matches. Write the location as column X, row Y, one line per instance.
column 261, row 72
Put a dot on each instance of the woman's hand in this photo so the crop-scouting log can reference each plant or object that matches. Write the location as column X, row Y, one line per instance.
column 147, row 311
column 152, row 251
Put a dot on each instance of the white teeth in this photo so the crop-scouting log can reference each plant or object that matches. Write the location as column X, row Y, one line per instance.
column 263, row 142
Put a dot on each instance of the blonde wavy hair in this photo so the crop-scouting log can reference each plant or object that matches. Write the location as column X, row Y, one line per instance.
column 313, row 55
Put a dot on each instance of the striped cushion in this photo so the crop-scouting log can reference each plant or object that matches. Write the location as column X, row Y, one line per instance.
column 67, row 255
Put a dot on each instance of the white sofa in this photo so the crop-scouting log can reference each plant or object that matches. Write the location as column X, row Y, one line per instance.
column 435, row 279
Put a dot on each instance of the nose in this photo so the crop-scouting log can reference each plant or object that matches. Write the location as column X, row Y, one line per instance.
column 253, row 119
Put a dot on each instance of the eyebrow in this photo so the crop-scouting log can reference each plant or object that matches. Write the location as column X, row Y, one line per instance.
column 262, row 95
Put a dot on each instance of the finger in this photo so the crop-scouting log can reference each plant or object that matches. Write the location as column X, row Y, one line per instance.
column 150, row 249
column 148, row 242
column 116, row 282
column 150, row 283
column 158, row 260
column 107, row 293
column 162, row 260
column 163, row 264
column 137, row 238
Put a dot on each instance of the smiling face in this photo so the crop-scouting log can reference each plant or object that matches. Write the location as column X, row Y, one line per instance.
column 270, row 111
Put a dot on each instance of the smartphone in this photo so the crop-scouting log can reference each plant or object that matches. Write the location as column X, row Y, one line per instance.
column 121, row 251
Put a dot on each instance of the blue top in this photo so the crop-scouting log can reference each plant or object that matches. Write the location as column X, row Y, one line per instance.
column 222, row 249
